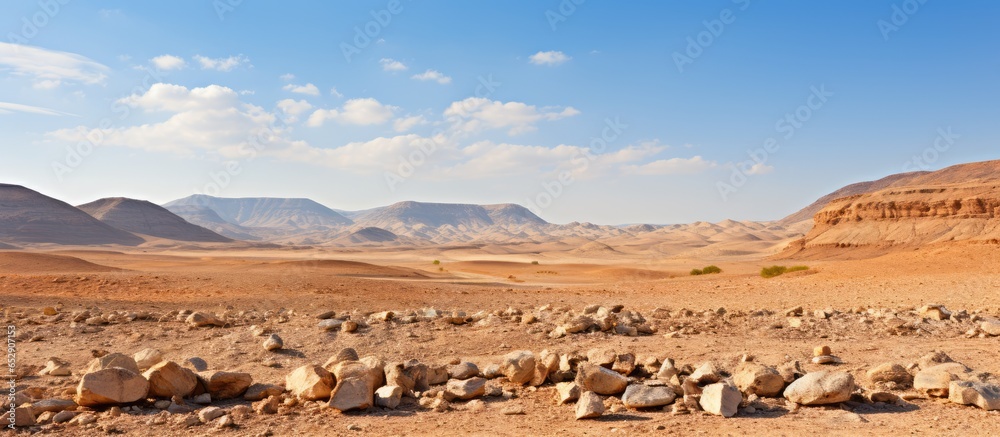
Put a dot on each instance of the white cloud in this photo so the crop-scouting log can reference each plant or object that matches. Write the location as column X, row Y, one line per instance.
column 392, row 65
column 210, row 120
column 8, row 108
column 434, row 75
column 404, row 124
column 335, row 93
column 287, row 77
column 361, row 112
column 168, row 62
column 308, row 89
column 49, row 68
column 549, row 58
column 672, row 166
column 222, row 64
column 293, row 108
column 476, row 114
column 760, row 169
column 247, row 92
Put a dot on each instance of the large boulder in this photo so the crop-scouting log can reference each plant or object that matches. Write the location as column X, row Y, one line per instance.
column 113, row 360
column 642, row 396
column 821, row 388
column 600, row 380
column 110, row 387
column 936, row 380
column 310, row 382
column 720, row 399
column 758, row 379
column 168, row 379
column 985, row 396
column 518, row 367
column 225, row 385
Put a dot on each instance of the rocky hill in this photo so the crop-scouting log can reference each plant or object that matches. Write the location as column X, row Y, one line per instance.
column 266, row 212
column 147, row 218
column 27, row 216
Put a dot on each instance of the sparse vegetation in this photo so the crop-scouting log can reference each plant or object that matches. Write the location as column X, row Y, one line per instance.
column 706, row 271
column 437, row 262
column 535, row 263
column 773, row 271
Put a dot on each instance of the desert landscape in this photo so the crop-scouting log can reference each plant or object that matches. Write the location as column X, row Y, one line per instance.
column 263, row 316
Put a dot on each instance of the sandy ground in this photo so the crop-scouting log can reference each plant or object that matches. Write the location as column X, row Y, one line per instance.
column 300, row 284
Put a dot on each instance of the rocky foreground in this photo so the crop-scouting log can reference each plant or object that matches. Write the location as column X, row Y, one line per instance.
column 171, row 393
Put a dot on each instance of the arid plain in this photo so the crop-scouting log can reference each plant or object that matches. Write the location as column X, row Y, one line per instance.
column 897, row 270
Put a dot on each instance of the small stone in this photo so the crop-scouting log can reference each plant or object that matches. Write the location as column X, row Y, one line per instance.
column 111, row 361
column 83, row 419
column 593, row 378
column 200, row 319
column 349, row 326
column 720, row 399
column 202, row 399
column 985, row 396
column 208, row 414
column 330, row 324
column 273, row 343
column 463, row 370
column 890, row 373
column 567, row 392
column 56, row 367
column 257, row 391
column 826, row 359
column 821, row 388
column 388, row 396
column 147, row 358
column 706, row 374
column 935, row 312
column 589, row 406
column 754, row 378
column 465, row 389
column 225, row 422
column 518, row 367
column 49, row 311
column 196, row 363
column 22, row 417
column 641, row 396
column 168, row 379
column 990, row 327
column 267, row 406
column 819, row 351
column 63, row 416
column 936, row 380
column 225, row 385
column 310, row 382
column 111, row 386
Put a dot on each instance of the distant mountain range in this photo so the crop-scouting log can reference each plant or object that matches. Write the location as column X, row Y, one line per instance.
column 963, row 196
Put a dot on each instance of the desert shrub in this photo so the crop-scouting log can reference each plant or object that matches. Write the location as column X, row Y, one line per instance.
column 710, row 270
column 534, row 263
column 437, row 262
column 697, row 272
column 770, row 272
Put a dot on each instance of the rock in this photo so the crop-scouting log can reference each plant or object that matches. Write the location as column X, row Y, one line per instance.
column 821, row 388
column 624, row 364
column 113, row 360
column 518, row 366
column 758, row 379
column 567, row 392
column 49, row 311
column 826, row 359
column 168, row 379
column 797, row 311
column 257, row 391
column 985, row 396
column 345, row 354
column 589, row 406
column 273, row 343
column 310, row 383
column 326, row 315
column 578, row 324
column 267, row 406
column 64, row 416
column 463, row 370
column 56, row 367
column 349, row 326
column 437, row 375
column 330, row 324
column 22, row 417
column 720, row 399
column 936, row 380
column 604, row 357
column 395, row 374
column 52, row 406
column 597, row 379
column 890, row 373
column 197, row 364
column 667, row 371
column 351, row 394
column 791, row 371
column 935, row 312
column 225, row 422
column 388, row 396
column 641, row 396
column 464, row 389
column 540, row 375
column 417, row 371
column 990, row 327
column 209, row 414
column 111, row 386
column 147, row 358
column 706, row 374
column 932, row 359
column 225, row 385
column 377, row 368
column 822, row 350
column 492, row 371
column 199, row 319
column 202, row 399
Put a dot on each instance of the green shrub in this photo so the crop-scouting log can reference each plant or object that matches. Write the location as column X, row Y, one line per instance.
column 773, row 271
column 710, row 270
column 437, row 262
column 697, row 272
column 534, row 263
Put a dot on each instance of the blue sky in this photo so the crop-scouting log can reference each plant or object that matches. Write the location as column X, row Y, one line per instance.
column 608, row 112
